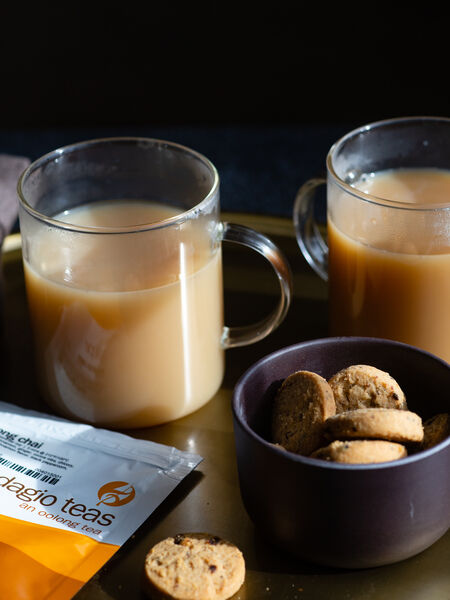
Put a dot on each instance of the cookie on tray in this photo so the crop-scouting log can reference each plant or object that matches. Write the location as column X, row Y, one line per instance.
column 375, row 423
column 302, row 404
column 194, row 566
column 435, row 430
column 361, row 451
column 364, row 386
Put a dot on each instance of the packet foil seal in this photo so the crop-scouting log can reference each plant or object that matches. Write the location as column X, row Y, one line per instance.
column 70, row 496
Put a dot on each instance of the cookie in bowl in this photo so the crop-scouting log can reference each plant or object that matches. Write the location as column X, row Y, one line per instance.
column 302, row 404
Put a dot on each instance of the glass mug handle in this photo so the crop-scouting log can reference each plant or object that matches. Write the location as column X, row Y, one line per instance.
column 309, row 238
column 241, row 336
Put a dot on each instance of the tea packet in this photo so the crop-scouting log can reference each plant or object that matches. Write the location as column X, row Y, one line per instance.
column 70, row 496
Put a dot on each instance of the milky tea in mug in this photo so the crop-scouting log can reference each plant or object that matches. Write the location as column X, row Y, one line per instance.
column 123, row 272
column 388, row 227
column 408, row 274
column 170, row 326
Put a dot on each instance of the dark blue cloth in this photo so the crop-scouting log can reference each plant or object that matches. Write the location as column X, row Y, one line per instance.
column 261, row 167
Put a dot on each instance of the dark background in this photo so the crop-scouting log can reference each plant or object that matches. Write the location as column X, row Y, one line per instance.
column 219, row 62
column 262, row 89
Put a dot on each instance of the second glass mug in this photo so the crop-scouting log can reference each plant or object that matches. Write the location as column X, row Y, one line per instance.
column 387, row 261
column 121, row 244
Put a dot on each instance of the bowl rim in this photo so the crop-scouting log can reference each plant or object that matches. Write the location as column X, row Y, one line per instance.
column 316, row 462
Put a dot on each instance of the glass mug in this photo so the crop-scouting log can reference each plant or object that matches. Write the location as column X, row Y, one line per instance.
column 387, row 255
column 121, row 244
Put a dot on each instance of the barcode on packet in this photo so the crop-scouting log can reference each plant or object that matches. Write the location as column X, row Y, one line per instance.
column 45, row 477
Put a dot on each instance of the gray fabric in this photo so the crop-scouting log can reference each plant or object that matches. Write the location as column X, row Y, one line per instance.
column 11, row 168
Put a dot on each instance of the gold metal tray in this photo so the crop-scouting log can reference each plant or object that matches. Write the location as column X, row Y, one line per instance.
column 209, row 498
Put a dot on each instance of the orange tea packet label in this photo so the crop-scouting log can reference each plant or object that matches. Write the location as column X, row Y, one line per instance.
column 70, row 496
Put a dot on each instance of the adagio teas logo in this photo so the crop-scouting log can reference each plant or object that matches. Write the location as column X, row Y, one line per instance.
column 116, row 493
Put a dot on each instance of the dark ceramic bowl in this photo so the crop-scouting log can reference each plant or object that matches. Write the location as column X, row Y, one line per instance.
column 350, row 516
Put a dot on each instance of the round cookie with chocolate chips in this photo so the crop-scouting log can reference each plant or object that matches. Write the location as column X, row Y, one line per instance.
column 193, row 566
column 375, row 423
column 435, row 430
column 302, row 404
column 364, row 386
column 361, row 451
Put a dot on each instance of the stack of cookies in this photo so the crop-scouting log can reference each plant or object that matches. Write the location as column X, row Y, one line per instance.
column 359, row 415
